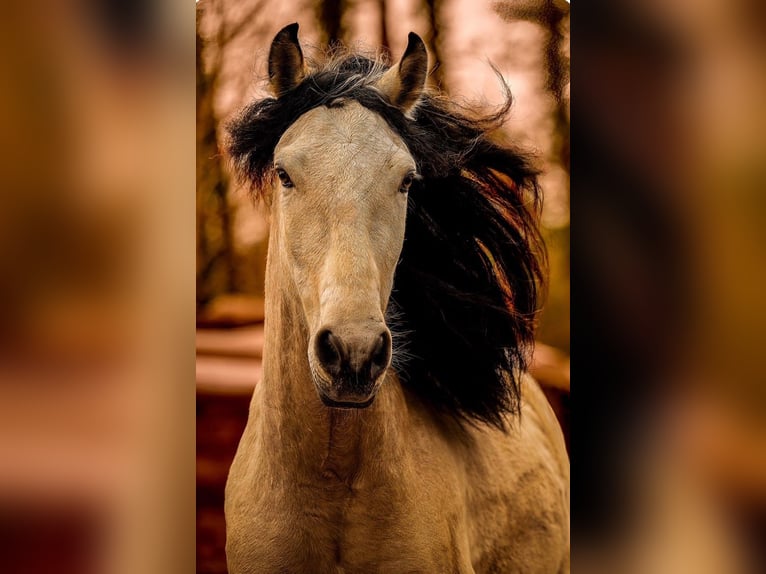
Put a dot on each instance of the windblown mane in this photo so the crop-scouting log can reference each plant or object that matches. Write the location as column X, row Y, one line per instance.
column 466, row 289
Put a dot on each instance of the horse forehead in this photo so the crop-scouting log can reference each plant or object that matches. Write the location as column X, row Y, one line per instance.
column 347, row 132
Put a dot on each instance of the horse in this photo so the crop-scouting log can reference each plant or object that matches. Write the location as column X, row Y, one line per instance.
column 395, row 428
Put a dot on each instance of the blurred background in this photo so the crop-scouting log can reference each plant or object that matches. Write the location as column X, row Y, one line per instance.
column 669, row 447
column 528, row 42
column 97, row 223
column 96, row 287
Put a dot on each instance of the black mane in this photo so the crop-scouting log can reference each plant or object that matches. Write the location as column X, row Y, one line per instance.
column 466, row 289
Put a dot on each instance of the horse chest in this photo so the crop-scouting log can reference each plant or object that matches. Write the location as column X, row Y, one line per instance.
column 334, row 529
column 372, row 529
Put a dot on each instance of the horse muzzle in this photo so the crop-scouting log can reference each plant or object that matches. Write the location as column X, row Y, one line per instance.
column 348, row 362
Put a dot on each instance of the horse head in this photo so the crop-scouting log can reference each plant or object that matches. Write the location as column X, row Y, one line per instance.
column 339, row 202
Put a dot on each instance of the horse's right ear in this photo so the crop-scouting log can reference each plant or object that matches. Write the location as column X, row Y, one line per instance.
column 404, row 82
column 286, row 66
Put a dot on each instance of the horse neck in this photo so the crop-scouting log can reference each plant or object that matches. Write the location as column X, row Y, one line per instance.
column 305, row 436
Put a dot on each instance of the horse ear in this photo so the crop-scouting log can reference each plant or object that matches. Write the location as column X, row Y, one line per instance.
column 404, row 83
column 286, row 66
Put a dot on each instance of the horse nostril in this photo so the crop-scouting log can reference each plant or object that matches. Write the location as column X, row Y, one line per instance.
column 352, row 357
column 329, row 351
column 381, row 353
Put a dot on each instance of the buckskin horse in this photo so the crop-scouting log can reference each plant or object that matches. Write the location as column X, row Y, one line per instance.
column 395, row 428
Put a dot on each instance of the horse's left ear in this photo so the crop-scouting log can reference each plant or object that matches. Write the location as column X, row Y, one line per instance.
column 286, row 66
column 404, row 83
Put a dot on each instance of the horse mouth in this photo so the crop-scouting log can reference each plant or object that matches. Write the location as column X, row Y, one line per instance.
column 346, row 400
column 332, row 403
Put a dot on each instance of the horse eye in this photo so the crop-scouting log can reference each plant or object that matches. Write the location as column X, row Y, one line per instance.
column 406, row 183
column 284, row 178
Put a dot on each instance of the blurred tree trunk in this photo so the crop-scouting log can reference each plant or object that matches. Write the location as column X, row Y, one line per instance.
column 385, row 46
column 215, row 263
column 331, row 20
column 437, row 70
column 555, row 19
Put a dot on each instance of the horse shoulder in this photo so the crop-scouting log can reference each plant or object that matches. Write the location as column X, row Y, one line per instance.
column 519, row 500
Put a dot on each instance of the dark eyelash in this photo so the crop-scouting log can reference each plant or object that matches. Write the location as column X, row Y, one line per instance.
column 284, row 178
column 408, row 180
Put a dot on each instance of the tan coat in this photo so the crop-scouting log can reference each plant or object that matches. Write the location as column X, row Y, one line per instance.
column 391, row 488
column 394, row 487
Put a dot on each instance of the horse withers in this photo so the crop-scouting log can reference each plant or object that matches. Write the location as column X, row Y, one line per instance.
column 395, row 429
